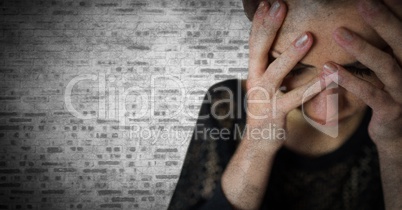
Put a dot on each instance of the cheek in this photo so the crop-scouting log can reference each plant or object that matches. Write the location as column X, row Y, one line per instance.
column 352, row 101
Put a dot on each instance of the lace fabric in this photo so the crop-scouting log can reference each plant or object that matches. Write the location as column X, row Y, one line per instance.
column 347, row 178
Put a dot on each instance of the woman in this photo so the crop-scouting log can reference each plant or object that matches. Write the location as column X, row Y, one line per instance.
column 323, row 118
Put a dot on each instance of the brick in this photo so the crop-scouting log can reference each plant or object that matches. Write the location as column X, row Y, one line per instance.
column 240, row 42
column 139, row 192
column 51, row 164
column 63, row 12
column 8, row 114
column 109, row 192
column 160, row 156
column 100, row 121
column 138, row 47
column 213, row 41
column 36, row 170
column 9, row 98
column 170, row 163
column 102, row 171
column 35, row 114
column 20, row 120
column 107, row 5
column 9, row 127
column 167, row 150
column 35, row 99
column 26, row 148
column 7, row 70
column 160, row 192
column 137, row 63
column 64, row 170
column 54, row 150
column 123, row 199
column 22, row 192
column 211, row 71
column 107, row 206
column 238, row 70
column 224, row 77
column 198, row 47
column 153, row 11
column 10, row 171
column 108, row 163
column 227, row 48
column 167, row 176
column 53, row 192
column 9, row 185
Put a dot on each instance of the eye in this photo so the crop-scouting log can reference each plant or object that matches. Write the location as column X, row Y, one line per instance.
column 360, row 72
column 295, row 72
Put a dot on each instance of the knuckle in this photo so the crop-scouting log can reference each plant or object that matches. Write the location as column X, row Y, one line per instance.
column 269, row 27
column 370, row 93
column 253, row 83
column 361, row 46
column 390, row 64
column 381, row 96
column 391, row 113
column 282, row 112
column 267, row 31
column 398, row 111
column 249, row 84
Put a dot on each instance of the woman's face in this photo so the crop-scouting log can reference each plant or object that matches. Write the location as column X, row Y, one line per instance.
column 321, row 21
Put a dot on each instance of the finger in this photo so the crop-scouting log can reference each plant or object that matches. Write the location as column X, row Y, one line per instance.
column 384, row 22
column 278, row 69
column 395, row 6
column 266, row 23
column 302, row 94
column 383, row 64
column 374, row 97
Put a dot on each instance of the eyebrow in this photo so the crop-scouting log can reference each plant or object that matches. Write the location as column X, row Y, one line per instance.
column 355, row 64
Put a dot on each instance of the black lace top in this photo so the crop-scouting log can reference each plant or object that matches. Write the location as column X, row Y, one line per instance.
column 347, row 178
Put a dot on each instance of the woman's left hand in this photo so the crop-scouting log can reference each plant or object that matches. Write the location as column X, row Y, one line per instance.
column 385, row 127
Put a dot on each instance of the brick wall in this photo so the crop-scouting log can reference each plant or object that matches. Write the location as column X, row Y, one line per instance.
column 98, row 99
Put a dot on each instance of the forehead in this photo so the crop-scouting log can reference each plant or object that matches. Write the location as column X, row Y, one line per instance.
column 321, row 21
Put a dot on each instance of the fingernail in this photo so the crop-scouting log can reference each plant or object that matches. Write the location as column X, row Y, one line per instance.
column 262, row 3
column 260, row 8
column 274, row 9
column 330, row 68
column 301, row 41
column 345, row 35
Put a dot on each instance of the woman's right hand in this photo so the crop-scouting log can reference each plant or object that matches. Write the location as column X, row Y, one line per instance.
column 267, row 106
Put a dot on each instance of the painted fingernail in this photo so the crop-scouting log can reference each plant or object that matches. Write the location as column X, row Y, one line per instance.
column 346, row 35
column 274, row 9
column 330, row 68
column 260, row 8
column 301, row 41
